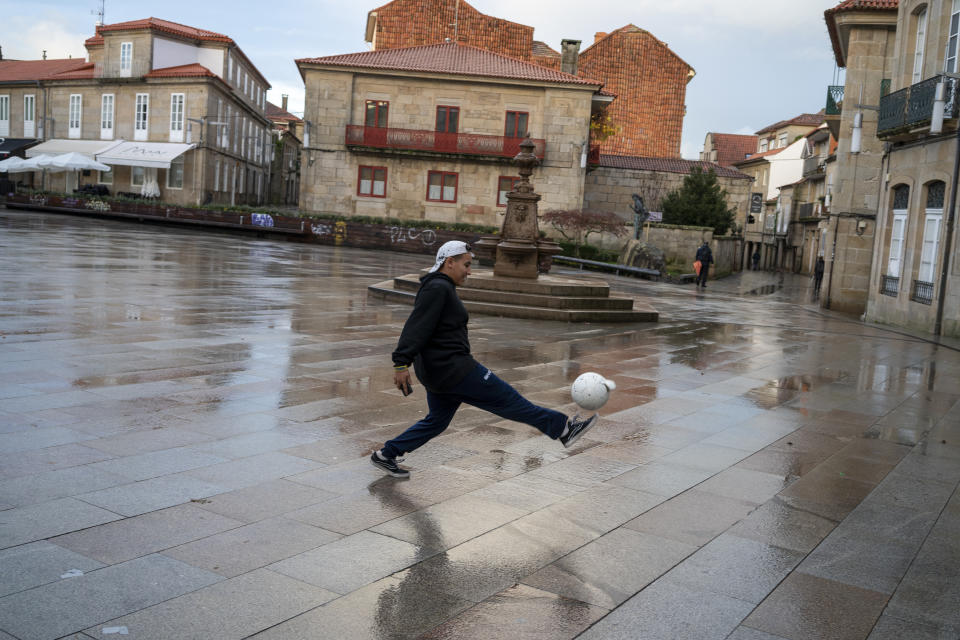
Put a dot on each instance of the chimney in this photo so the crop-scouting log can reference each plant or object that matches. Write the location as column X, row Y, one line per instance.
column 569, row 52
column 283, row 101
column 44, row 54
column 598, row 36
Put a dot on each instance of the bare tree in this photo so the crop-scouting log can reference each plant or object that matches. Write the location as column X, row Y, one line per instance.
column 576, row 225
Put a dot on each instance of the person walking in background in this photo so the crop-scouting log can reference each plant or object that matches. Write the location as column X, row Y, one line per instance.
column 705, row 256
column 756, row 259
column 818, row 274
column 434, row 340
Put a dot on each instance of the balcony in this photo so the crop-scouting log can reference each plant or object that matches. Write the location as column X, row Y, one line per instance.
column 922, row 292
column 436, row 142
column 112, row 69
column 912, row 107
column 807, row 210
column 890, row 286
column 813, row 165
column 834, row 100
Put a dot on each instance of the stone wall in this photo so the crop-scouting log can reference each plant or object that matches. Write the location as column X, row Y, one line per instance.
column 611, row 189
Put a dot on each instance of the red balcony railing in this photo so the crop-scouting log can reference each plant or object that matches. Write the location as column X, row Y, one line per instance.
column 436, row 141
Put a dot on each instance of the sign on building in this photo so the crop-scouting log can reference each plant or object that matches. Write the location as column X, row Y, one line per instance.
column 756, row 202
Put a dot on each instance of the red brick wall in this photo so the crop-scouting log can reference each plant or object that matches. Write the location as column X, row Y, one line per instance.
column 410, row 23
column 651, row 85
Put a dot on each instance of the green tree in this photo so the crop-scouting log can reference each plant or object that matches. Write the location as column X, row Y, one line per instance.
column 700, row 202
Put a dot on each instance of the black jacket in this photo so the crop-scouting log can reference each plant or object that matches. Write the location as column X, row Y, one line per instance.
column 434, row 337
column 704, row 255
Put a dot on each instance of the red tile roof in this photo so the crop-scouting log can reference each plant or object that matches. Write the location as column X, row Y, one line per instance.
column 28, row 70
column 543, row 49
column 848, row 6
column 156, row 24
column 732, row 148
column 667, row 165
column 449, row 58
column 182, row 71
column 762, row 154
column 276, row 113
column 804, row 120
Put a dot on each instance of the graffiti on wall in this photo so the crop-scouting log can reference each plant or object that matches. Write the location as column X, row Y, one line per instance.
column 402, row 234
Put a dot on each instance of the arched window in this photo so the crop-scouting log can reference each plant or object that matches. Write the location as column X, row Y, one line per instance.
column 933, row 215
column 901, row 200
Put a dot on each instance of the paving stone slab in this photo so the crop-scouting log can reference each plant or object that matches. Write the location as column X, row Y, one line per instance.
column 145, row 534
column 157, row 463
column 47, row 519
column 694, row 517
column 670, row 610
column 247, row 472
column 262, row 543
column 49, row 485
column 779, row 524
column 150, row 495
column 265, row 500
column 611, row 569
column 234, row 608
column 37, row 563
column 98, row 596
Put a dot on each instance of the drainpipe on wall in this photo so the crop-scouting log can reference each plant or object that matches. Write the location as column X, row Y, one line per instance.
column 947, row 242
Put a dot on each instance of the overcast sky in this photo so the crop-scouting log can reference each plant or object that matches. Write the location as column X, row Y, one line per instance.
column 757, row 61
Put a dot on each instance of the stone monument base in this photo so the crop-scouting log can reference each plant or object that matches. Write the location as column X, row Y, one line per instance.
column 549, row 297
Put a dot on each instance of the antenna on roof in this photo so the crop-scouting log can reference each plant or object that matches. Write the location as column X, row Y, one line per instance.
column 99, row 13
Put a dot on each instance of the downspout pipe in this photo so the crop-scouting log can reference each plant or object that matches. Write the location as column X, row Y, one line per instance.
column 947, row 242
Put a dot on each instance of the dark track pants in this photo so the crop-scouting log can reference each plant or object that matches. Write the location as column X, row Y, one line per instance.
column 482, row 389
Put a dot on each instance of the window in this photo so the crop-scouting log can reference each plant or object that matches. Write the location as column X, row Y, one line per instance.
column 106, row 116
column 931, row 232
column 951, row 62
column 126, row 59
column 175, row 174
column 376, row 115
column 901, row 198
column 372, row 181
column 763, row 146
column 141, row 119
column 918, row 49
column 516, row 125
column 105, row 177
column 442, row 186
column 136, row 176
column 448, row 119
column 782, row 140
column 29, row 116
column 246, row 78
column 176, row 117
column 504, row 186
column 216, row 176
column 4, row 115
column 76, row 115
column 229, row 67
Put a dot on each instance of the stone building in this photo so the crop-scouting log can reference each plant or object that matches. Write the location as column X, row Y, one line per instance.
column 726, row 149
column 649, row 78
column 160, row 102
column 429, row 132
column 862, row 34
column 915, row 277
column 287, row 145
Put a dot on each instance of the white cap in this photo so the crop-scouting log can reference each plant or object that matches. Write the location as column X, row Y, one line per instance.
column 450, row 250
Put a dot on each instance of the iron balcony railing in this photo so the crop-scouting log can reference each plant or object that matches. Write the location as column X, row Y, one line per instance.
column 437, row 142
column 812, row 165
column 807, row 210
column 922, row 292
column 890, row 286
column 834, row 100
column 913, row 106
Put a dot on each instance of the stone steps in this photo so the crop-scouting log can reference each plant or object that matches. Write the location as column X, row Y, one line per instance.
column 548, row 298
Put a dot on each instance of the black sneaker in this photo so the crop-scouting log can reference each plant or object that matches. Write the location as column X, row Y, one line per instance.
column 389, row 465
column 578, row 426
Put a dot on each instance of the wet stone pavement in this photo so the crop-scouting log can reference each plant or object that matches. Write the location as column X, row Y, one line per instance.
column 185, row 421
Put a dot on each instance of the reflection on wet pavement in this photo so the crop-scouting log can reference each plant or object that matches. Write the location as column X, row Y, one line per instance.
column 188, row 417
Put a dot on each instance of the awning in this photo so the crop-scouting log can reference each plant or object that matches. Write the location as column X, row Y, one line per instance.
column 144, row 154
column 59, row 146
column 10, row 146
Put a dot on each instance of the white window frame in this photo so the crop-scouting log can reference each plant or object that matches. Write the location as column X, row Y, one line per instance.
column 107, row 114
column 219, row 128
column 229, row 66
column 75, row 116
column 763, row 146
column 953, row 38
column 136, row 172
column 179, row 160
column 246, row 80
column 29, row 109
column 102, row 174
column 5, row 115
column 920, row 43
column 177, row 106
column 930, row 249
column 227, row 127
column 141, row 117
column 241, row 180
column 781, row 140
column 126, row 59
column 898, row 234
column 216, row 175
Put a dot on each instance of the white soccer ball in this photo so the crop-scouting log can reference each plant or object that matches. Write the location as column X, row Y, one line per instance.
column 591, row 391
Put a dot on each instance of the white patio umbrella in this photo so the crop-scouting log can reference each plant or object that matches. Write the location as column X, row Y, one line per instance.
column 150, row 188
column 43, row 162
column 74, row 161
column 13, row 164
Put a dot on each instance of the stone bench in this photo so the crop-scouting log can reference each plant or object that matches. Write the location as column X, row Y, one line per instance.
column 607, row 266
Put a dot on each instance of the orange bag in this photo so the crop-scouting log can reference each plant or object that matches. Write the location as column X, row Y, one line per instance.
column 696, row 266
